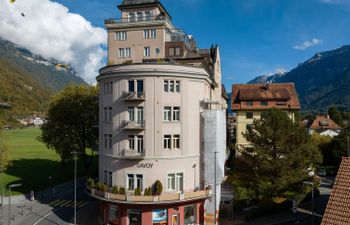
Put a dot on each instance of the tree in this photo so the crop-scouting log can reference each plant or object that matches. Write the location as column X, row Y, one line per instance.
column 71, row 120
column 278, row 160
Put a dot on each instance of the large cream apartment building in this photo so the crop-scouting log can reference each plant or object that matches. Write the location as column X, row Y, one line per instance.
column 160, row 96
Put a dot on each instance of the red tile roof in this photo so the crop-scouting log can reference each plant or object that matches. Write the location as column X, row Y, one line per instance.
column 279, row 95
column 322, row 122
column 338, row 207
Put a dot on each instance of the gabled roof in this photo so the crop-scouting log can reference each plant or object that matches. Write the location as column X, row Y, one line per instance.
column 338, row 207
column 323, row 122
column 285, row 93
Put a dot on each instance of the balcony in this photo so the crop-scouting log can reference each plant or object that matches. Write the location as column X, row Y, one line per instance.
column 133, row 96
column 164, row 198
column 137, row 20
column 131, row 154
column 133, row 125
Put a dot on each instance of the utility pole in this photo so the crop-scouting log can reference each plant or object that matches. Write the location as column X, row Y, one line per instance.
column 75, row 187
column 215, row 153
column 348, row 139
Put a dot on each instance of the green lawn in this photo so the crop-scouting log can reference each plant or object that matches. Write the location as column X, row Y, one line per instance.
column 33, row 163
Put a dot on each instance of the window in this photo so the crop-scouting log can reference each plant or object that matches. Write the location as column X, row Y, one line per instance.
column 135, row 181
column 139, row 86
column 113, row 213
column 139, row 16
column 131, row 142
column 108, row 140
column 131, row 182
column 124, row 53
column 108, row 178
column 140, row 143
column 167, row 113
column 175, row 181
column 148, row 15
column 177, row 86
column 149, row 34
column 105, row 114
column 190, row 214
column 177, row 51
column 121, row 35
column 249, row 115
column 134, row 217
column 131, row 113
column 263, row 103
column 110, row 114
column 167, row 141
column 166, row 85
column 176, row 114
column 131, row 85
column 176, row 141
column 171, row 51
column 139, row 115
column 250, row 103
column 132, row 17
column 172, row 86
column 147, row 51
column 108, row 88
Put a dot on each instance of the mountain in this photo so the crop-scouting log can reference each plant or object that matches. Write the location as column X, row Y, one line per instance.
column 27, row 81
column 267, row 78
column 50, row 74
column 322, row 81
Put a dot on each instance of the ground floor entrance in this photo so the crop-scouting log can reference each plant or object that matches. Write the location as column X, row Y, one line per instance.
column 188, row 213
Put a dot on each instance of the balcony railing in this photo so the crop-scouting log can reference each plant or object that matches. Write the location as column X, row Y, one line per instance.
column 136, row 19
column 131, row 154
column 133, row 96
column 133, row 125
column 157, row 199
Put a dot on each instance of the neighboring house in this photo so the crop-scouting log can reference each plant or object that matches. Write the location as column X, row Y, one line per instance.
column 250, row 100
column 37, row 121
column 231, row 128
column 162, row 117
column 338, row 206
column 325, row 126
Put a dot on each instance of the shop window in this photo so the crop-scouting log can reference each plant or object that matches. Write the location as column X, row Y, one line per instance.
column 134, row 217
column 190, row 214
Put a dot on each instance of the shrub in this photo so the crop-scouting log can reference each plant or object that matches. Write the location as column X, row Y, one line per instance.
column 115, row 190
column 157, row 188
column 148, row 191
column 90, row 183
column 127, row 62
column 137, row 191
column 122, row 191
column 103, row 187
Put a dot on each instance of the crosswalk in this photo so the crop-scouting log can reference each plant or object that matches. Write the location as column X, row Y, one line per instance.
column 64, row 203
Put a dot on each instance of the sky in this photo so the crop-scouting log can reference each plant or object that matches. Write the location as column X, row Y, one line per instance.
column 256, row 37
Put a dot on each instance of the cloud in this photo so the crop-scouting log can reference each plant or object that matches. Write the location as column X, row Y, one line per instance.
column 50, row 30
column 307, row 44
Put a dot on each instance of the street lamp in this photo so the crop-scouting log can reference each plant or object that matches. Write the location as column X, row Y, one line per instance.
column 75, row 187
column 312, row 201
column 11, row 186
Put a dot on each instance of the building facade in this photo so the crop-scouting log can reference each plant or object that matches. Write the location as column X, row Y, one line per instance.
column 250, row 100
column 155, row 95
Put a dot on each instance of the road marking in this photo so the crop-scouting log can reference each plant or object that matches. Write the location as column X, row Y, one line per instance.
column 45, row 216
column 60, row 203
column 51, row 203
column 85, row 203
column 66, row 204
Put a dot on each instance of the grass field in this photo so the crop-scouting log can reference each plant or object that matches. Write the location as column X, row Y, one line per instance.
column 32, row 163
